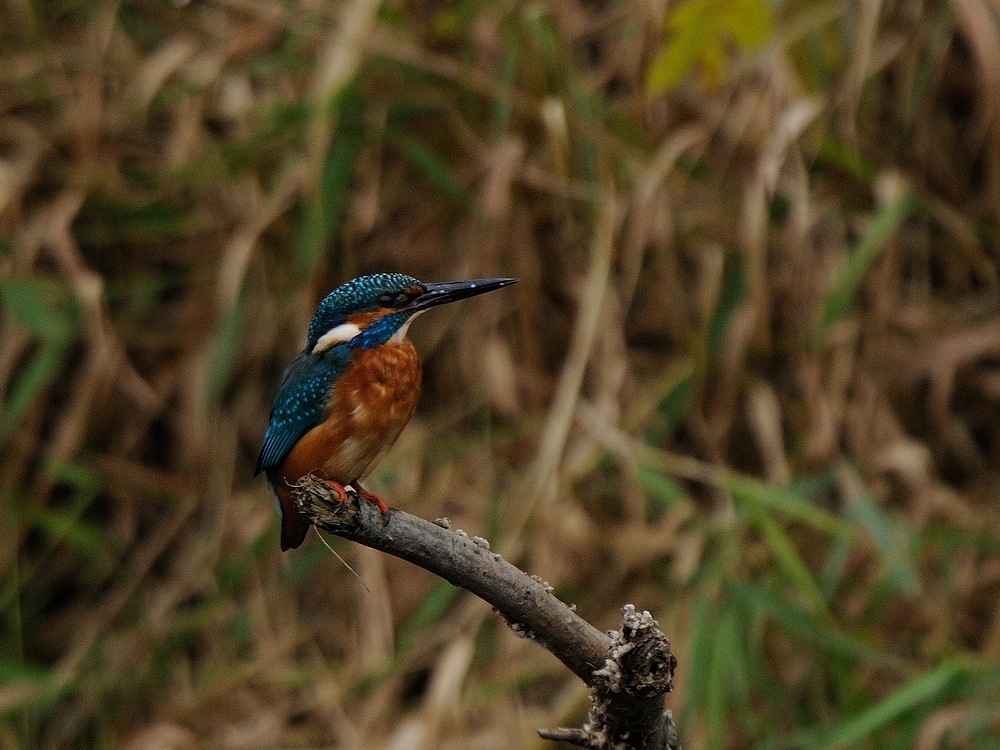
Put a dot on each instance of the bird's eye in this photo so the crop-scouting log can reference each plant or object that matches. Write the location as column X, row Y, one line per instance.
column 393, row 300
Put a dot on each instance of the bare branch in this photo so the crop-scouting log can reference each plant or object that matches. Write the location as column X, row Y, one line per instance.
column 628, row 671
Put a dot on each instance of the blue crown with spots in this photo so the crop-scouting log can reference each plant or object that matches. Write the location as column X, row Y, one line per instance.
column 358, row 295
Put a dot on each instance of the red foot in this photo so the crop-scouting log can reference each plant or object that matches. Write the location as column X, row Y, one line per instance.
column 337, row 487
column 372, row 498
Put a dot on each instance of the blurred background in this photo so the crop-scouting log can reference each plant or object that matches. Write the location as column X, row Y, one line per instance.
column 749, row 380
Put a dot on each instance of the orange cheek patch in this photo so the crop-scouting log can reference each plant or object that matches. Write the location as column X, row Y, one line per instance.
column 364, row 319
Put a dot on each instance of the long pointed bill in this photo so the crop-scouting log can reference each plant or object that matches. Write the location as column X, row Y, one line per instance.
column 450, row 291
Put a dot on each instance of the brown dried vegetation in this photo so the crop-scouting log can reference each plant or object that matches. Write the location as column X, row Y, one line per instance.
column 749, row 380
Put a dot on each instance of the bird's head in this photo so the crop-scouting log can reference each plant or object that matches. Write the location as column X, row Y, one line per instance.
column 371, row 310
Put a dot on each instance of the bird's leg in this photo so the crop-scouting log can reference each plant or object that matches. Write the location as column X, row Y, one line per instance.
column 371, row 497
column 339, row 489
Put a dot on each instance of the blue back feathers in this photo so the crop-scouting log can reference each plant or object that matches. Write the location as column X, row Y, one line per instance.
column 299, row 404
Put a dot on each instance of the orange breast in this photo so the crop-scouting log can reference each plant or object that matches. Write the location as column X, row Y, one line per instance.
column 369, row 406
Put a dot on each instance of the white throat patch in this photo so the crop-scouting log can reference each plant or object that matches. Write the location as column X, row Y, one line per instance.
column 400, row 335
column 337, row 335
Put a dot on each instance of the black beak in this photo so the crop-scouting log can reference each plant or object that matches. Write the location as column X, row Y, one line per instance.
column 442, row 292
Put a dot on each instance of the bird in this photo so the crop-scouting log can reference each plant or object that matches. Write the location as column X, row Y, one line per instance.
column 343, row 401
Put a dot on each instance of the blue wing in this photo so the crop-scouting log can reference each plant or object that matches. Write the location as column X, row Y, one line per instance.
column 300, row 403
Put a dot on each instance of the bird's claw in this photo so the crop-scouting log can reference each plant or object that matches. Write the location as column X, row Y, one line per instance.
column 337, row 487
column 372, row 498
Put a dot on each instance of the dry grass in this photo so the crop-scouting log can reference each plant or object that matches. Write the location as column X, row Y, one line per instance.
column 749, row 380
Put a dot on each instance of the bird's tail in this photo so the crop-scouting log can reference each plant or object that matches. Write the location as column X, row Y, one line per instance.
column 294, row 525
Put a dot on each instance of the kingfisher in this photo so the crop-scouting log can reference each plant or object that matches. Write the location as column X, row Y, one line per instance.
column 344, row 400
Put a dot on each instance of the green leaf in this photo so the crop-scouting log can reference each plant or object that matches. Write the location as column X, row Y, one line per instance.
column 66, row 526
column 28, row 685
column 323, row 213
column 82, row 478
column 304, row 565
column 677, row 388
column 103, row 221
column 59, row 524
column 750, row 22
column 44, row 306
column 64, row 523
column 321, row 216
column 506, row 78
column 678, row 400
column 717, row 691
column 701, row 32
column 835, row 567
column 694, row 29
column 235, row 569
column 962, row 538
column 731, row 647
column 15, row 670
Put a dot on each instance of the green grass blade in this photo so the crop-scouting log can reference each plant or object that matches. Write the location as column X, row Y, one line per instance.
column 746, row 489
column 895, row 542
column 806, row 625
column 227, row 350
column 437, row 172
column 321, row 215
column 717, row 685
column 787, row 556
column 846, row 159
column 836, row 565
column 18, row 671
column 929, row 686
column 703, row 623
column 437, row 600
column 734, row 287
column 48, row 310
column 65, row 522
column 760, row 501
column 730, row 643
column 323, row 210
column 852, row 273
column 41, row 370
column 663, row 492
column 678, row 391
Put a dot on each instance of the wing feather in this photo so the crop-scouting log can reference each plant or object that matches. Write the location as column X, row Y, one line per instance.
column 300, row 403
